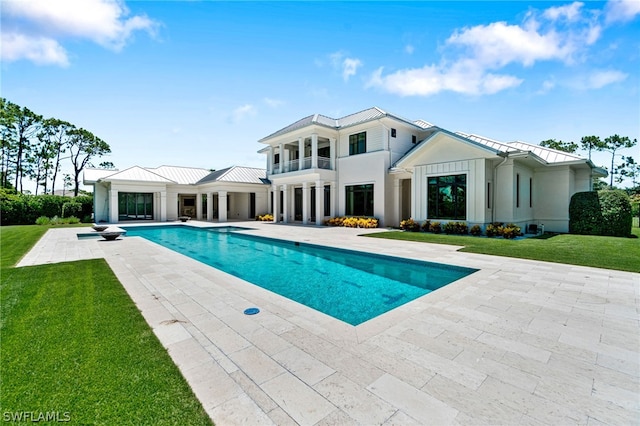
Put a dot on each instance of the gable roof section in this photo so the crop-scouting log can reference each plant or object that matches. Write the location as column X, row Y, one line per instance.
column 180, row 175
column 236, row 174
column 540, row 153
column 138, row 174
column 360, row 117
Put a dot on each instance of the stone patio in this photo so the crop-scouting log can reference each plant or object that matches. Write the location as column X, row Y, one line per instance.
column 518, row 342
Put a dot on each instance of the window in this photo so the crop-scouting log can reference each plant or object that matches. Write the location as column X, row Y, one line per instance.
column 358, row 143
column 530, row 192
column 135, row 206
column 359, row 200
column 327, row 200
column 447, row 197
column 414, row 139
column 517, row 190
column 488, row 195
column 393, row 133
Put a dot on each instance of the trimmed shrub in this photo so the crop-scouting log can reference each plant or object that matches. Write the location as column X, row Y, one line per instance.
column 268, row 217
column 426, row 226
column 511, row 231
column 476, row 230
column 43, row 220
column 616, row 213
column 353, row 222
column 494, row 229
column 435, row 227
column 606, row 212
column 410, row 225
column 585, row 214
column 71, row 209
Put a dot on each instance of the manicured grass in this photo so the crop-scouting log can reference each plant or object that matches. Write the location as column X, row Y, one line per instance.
column 74, row 343
column 600, row 252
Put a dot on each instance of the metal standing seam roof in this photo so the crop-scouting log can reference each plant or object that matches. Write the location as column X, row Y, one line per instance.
column 237, row 174
column 346, row 121
column 137, row 173
column 181, row 175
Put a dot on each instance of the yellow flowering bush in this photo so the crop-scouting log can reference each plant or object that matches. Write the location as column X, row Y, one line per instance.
column 266, row 217
column 353, row 222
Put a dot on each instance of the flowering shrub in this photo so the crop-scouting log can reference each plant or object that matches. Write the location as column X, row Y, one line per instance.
column 426, row 226
column 265, row 217
column 410, row 225
column 353, row 222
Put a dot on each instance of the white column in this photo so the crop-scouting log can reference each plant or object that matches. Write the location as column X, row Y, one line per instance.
column 270, row 160
column 332, row 153
column 287, row 158
column 281, row 153
column 163, row 206
column 222, row 206
column 397, row 201
column 209, row 206
column 285, row 204
column 113, row 206
column 300, row 153
column 199, row 206
column 314, row 150
column 276, row 203
column 332, row 199
column 319, row 202
column 305, row 202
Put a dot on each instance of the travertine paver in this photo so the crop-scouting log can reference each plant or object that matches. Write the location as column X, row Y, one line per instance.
column 518, row 342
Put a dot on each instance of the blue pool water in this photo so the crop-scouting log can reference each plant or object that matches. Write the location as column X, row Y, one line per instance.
column 348, row 285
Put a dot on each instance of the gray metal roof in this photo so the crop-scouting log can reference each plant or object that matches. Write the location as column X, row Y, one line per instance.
column 547, row 154
column 181, row 175
column 236, row 174
column 364, row 116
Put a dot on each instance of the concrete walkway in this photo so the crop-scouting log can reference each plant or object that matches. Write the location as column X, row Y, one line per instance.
column 519, row 342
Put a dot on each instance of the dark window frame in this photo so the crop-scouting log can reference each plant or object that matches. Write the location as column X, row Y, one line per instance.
column 358, row 143
column 447, row 197
column 359, row 200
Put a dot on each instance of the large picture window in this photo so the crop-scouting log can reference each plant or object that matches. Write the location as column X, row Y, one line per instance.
column 358, row 143
column 448, row 197
column 135, row 206
column 359, row 200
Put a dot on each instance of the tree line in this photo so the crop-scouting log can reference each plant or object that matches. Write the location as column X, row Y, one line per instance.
column 626, row 168
column 34, row 147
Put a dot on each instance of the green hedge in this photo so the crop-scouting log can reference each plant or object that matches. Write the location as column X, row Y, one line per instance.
column 585, row 215
column 616, row 213
column 606, row 212
column 24, row 209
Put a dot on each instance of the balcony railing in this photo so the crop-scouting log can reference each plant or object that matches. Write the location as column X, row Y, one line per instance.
column 293, row 165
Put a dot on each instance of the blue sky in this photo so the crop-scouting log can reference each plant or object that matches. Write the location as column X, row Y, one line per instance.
column 198, row 83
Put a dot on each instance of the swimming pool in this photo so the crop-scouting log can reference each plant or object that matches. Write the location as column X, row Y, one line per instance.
column 348, row 285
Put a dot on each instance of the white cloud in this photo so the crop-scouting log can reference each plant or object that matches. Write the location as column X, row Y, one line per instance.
column 570, row 12
column 409, row 49
column 105, row 22
column 621, row 10
column 599, row 79
column 40, row 50
column 273, row 103
column 347, row 66
column 473, row 57
column 242, row 112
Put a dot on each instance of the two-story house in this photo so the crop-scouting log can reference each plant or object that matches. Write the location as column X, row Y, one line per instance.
column 373, row 163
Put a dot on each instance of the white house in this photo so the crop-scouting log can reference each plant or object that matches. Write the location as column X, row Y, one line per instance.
column 371, row 163
column 166, row 193
column 374, row 163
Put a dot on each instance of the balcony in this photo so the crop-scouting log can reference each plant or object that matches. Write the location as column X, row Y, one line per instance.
column 294, row 165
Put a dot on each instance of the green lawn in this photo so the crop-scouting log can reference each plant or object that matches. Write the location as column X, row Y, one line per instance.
column 74, row 343
column 601, row 252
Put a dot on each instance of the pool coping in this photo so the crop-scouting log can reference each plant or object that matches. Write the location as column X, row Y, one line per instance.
column 519, row 341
